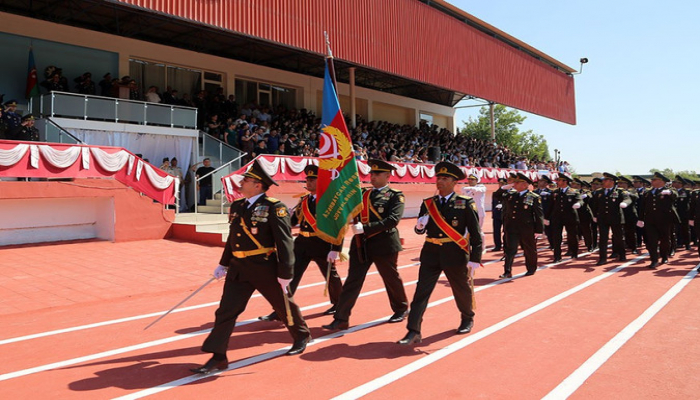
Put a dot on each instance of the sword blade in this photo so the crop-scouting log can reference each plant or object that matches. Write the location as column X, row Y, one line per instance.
column 180, row 303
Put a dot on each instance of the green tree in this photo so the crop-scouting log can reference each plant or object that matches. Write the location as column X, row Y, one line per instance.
column 507, row 127
column 668, row 172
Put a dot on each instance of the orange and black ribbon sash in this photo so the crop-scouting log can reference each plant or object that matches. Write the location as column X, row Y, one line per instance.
column 367, row 206
column 446, row 228
column 307, row 213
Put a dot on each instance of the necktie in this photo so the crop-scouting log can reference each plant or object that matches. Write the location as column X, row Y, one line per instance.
column 442, row 201
column 653, row 191
column 246, row 204
column 607, row 191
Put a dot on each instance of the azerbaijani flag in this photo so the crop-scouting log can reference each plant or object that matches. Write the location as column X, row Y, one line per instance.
column 32, row 81
column 339, row 197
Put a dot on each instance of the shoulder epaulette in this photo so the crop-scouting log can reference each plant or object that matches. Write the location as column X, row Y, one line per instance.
column 533, row 194
column 461, row 196
column 273, row 200
column 239, row 199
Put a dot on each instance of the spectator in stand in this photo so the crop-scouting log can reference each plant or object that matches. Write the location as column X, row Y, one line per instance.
column 273, row 141
column 231, row 134
column 84, row 84
column 261, row 148
column 247, row 144
column 214, row 126
column 152, row 95
column 187, row 101
column 177, row 172
column 53, row 82
column 231, row 106
column 106, row 85
column 134, row 91
column 204, row 186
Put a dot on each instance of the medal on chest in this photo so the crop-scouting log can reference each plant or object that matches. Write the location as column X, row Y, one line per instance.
column 254, row 230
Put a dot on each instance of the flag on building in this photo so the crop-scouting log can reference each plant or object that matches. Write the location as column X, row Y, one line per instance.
column 32, row 81
column 339, row 196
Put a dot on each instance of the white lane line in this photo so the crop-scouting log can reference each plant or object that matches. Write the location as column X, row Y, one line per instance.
column 404, row 371
column 569, row 385
column 91, row 357
column 275, row 353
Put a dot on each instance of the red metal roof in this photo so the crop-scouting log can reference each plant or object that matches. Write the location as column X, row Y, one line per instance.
column 406, row 38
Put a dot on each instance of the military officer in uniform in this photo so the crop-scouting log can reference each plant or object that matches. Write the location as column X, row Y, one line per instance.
column 607, row 205
column 523, row 221
column 27, row 132
column 453, row 246
column 681, row 233
column 631, row 214
column 640, row 187
column 497, row 214
column 258, row 256
column 13, row 121
column 563, row 213
column 657, row 217
column 584, row 214
column 545, row 192
column 694, row 215
column 309, row 247
column 377, row 241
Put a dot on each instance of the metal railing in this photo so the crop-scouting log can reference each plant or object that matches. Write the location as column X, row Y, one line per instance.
column 54, row 133
column 216, row 176
column 98, row 108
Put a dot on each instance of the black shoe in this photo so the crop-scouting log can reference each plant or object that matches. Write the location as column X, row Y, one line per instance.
column 567, row 254
column 556, row 260
column 298, row 347
column 397, row 317
column 635, row 251
column 614, row 255
column 664, row 261
column 270, row 317
column 502, row 258
column 530, row 273
column 673, row 253
column 330, row 311
column 336, row 325
column 653, row 265
column 687, row 247
column 465, row 327
column 506, row 275
column 412, row 337
column 623, row 258
column 210, row 366
column 601, row 262
column 574, row 257
column 496, row 249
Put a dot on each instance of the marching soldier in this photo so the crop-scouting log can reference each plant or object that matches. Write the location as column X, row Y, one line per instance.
column 453, row 246
column 497, row 214
column 694, row 216
column 584, row 214
column 607, row 205
column 376, row 241
column 543, row 190
column 309, row 247
column 258, row 256
column 523, row 222
column 640, row 187
column 657, row 217
column 563, row 213
column 681, row 231
column 631, row 215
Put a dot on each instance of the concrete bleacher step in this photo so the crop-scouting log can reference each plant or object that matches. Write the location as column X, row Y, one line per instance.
column 202, row 228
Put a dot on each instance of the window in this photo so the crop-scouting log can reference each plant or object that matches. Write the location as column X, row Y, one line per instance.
column 182, row 79
column 264, row 93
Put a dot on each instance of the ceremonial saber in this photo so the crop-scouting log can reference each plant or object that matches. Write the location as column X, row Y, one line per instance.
column 180, row 303
column 328, row 278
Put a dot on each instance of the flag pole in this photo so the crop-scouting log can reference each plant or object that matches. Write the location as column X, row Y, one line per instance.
column 329, row 61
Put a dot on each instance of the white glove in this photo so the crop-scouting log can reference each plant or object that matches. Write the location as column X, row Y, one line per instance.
column 507, row 187
column 358, row 229
column 546, row 222
column 666, row 191
column 595, row 219
column 220, row 272
column 283, row 283
column 422, row 222
column 576, row 206
column 583, row 196
column 623, row 205
column 499, row 206
column 472, row 267
column 332, row 256
column 640, row 224
column 691, row 222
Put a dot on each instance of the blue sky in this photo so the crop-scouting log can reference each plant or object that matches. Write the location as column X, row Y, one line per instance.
column 637, row 100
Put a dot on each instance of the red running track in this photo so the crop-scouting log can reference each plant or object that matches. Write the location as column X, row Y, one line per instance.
column 73, row 316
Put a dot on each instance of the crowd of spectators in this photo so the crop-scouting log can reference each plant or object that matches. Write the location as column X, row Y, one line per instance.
column 256, row 129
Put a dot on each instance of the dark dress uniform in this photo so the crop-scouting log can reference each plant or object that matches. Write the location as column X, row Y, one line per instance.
column 309, row 247
column 522, row 219
column 631, row 218
column 694, row 214
column 379, row 244
column 441, row 254
column 681, row 233
column 605, row 205
column 638, row 205
column 546, row 197
column 562, row 215
column 586, row 221
column 659, row 215
column 497, row 217
column 259, row 250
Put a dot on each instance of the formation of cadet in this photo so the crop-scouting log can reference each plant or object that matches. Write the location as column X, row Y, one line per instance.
column 261, row 255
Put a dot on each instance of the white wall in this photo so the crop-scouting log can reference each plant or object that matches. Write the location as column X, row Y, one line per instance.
column 49, row 220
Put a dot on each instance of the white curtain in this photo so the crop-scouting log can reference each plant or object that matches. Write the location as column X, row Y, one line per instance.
column 60, row 158
column 12, row 156
column 110, row 162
